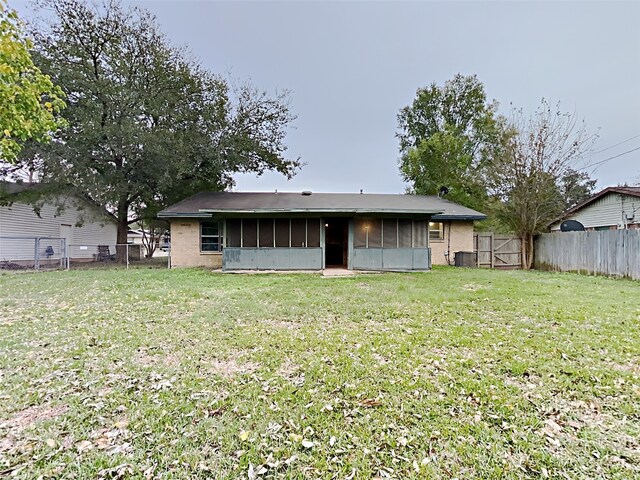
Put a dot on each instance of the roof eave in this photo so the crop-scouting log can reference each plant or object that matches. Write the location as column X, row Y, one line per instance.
column 319, row 211
column 183, row 215
column 460, row 217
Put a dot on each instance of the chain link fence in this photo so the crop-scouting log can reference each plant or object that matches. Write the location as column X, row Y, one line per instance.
column 37, row 253
column 32, row 253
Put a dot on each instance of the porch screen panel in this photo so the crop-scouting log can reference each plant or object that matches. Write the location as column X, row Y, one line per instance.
column 313, row 232
column 282, row 232
column 298, row 232
column 420, row 234
column 360, row 233
column 233, row 233
column 266, row 232
column 375, row 233
column 404, row 233
column 249, row 233
column 390, row 232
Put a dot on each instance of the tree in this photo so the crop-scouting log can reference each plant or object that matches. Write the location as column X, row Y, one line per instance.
column 29, row 101
column 446, row 137
column 148, row 125
column 537, row 178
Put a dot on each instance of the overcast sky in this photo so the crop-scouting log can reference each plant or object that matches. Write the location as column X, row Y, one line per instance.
column 350, row 67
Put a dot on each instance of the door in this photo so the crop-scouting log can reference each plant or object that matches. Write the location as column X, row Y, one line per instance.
column 336, row 232
column 65, row 233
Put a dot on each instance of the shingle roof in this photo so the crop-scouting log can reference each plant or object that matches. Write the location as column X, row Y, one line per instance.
column 205, row 204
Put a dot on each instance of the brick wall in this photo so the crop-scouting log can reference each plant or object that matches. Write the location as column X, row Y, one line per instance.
column 461, row 241
column 185, row 246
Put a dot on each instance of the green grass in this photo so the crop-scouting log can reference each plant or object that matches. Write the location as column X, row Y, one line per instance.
column 187, row 374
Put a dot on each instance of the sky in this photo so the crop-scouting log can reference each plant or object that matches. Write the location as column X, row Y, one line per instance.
column 351, row 66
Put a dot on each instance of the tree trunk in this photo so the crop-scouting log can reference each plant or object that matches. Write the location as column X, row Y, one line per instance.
column 530, row 256
column 527, row 251
column 122, row 233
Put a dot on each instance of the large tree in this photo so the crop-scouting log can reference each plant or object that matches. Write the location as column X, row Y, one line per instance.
column 538, row 176
column 29, row 101
column 446, row 137
column 147, row 125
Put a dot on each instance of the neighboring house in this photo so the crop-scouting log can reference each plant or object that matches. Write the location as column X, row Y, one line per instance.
column 79, row 225
column 610, row 209
column 311, row 231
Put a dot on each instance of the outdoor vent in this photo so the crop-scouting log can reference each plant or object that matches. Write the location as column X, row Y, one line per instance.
column 306, row 192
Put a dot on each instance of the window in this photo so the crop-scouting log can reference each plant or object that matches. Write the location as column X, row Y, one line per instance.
column 313, row 232
column 298, row 232
column 419, row 234
column 405, row 233
column 249, row 233
column 282, row 232
column 210, row 236
column 266, row 233
column 390, row 232
column 436, row 231
column 234, row 233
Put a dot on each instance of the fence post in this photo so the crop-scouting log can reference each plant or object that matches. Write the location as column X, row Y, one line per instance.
column 66, row 255
column 169, row 257
column 36, row 254
column 127, row 253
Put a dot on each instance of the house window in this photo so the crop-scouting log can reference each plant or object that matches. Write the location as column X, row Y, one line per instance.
column 419, row 234
column 210, row 236
column 405, row 233
column 436, row 231
column 270, row 233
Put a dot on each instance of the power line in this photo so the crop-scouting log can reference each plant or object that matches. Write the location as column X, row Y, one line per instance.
column 600, row 162
column 615, row 145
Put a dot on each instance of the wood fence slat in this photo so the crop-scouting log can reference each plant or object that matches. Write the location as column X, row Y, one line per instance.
column 609, row 252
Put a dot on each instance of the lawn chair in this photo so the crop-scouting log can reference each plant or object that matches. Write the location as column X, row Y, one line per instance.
column 103, row 253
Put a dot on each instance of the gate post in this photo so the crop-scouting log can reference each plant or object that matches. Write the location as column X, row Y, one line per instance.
column 36, row 254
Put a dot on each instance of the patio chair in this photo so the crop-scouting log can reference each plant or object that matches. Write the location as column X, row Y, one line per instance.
column 104, row 254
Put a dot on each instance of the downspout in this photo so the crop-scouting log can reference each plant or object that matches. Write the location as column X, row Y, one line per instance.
column 449, row 244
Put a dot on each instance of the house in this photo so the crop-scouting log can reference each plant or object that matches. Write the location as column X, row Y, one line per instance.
column 64, row 225
column 610, row 209
column 311, row 231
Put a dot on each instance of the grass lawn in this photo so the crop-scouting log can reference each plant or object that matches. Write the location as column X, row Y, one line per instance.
column 188, row 374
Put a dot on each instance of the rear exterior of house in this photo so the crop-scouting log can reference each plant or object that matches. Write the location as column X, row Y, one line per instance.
column 614, row 208
column 308, row 231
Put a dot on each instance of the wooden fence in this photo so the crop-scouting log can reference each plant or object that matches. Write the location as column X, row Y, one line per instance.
column 609, row 252
column 498, row 250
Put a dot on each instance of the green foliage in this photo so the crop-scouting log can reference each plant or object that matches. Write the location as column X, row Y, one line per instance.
column 148, row 125
column 536, row 179
column 29, row 101
column 446, row 137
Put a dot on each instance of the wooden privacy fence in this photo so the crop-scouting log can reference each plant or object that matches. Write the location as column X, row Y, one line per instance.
column 609, row 252
column 498, row 250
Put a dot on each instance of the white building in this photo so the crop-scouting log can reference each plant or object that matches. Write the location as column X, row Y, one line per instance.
column 71, row 223
column 614, row 208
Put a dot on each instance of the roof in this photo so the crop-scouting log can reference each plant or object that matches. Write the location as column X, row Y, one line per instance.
column 24, row 192
column 206, row 204
column 633, row 191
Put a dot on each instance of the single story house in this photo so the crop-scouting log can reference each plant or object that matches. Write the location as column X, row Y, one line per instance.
column 312, row 231
column 613, row 208
column 68, row 223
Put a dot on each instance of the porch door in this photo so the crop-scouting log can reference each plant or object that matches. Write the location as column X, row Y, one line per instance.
column 336, row 234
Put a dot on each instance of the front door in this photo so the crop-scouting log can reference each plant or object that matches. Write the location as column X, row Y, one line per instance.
column 336, row 232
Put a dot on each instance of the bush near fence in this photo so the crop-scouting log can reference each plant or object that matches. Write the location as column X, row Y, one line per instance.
column 609, row 252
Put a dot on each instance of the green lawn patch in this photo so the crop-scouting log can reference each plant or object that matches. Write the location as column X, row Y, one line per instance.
column 189, row 374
